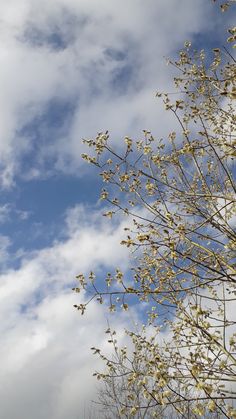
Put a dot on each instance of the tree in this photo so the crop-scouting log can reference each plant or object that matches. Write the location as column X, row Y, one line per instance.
column 180, row 194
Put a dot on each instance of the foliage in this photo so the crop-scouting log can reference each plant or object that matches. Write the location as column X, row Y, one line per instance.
column 180, row 194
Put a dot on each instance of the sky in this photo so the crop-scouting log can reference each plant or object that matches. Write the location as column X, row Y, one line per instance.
column 68, row 70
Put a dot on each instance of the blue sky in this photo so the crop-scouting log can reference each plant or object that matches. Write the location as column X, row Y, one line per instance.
column 69, row 69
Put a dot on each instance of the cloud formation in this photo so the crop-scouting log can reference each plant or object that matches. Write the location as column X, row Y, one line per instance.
column 47, row 368
column 104, row 62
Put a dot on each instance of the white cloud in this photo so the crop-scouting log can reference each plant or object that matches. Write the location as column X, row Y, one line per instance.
column 85, row 50
column 46, row 362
